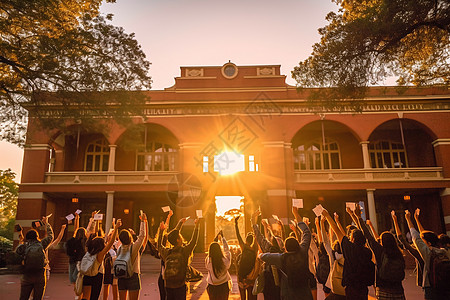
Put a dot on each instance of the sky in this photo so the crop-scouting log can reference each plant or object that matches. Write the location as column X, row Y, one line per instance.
column 176, row 33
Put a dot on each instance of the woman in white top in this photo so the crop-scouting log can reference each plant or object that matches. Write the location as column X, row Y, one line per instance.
column 218, row 262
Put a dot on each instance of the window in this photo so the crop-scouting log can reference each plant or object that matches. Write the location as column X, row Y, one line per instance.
column 97, row 156
column 156, row 156
column 317, row 156
column 387, row 154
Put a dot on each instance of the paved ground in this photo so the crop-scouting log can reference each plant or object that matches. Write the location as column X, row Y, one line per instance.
column 59, row 288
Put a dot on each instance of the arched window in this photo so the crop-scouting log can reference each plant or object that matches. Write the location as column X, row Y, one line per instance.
column 387, row 154
column 156, row 156
column 97, row 156
column 317, row 156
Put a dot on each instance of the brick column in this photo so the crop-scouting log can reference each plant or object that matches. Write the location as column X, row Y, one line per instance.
column 445, row 198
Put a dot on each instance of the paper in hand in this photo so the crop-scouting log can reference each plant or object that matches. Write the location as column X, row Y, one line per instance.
column 318, row 210
column 297, row 203
column 70, row 217
column 276, row 217
column 98, row 217
column 350, row 205
column 165, row 208
column 293, row 223
column 199, row 213
column 78, row 211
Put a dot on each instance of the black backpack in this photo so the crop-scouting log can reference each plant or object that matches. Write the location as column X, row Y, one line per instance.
column 34, row 258
column 323, row 266
column 439, row 274
column 392, row 269
column 175, row 267
column 295, row 267
column 246, row 262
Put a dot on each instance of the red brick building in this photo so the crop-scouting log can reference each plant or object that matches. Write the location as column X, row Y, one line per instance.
column 394, row 155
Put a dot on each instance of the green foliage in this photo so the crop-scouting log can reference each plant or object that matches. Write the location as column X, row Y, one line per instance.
column 65, row 54
column 367, row 41
column 9, row 191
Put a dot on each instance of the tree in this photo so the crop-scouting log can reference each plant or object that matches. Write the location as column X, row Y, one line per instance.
column 367, row 41
column 9, row 191
column 64, row 53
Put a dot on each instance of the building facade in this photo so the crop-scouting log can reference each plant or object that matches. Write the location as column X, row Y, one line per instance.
column 229, row 139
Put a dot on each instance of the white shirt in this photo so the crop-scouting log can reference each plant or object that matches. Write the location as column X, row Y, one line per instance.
column 224, row 276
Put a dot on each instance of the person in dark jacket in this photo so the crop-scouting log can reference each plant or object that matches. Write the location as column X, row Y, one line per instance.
column 34, row 280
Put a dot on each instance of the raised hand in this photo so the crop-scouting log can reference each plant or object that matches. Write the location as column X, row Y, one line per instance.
column 170, row 213
column 407, row 214
column 296, row 214
column 118, row 224
column 357, row 210
column 44, row 220
column 417, row 213
column 306, row 220
column 393, row 215
column 336, row 217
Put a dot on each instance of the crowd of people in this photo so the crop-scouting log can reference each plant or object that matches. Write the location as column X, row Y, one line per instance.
column 343, row 261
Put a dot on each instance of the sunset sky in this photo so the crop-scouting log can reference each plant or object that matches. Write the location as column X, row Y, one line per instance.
column 176, row 33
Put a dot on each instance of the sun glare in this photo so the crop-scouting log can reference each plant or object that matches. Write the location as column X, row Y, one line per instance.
column 228, row 206
column 228, row 163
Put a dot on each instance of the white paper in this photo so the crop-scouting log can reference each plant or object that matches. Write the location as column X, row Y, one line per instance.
column 70, row 217
column 199, row 213
column 351, row 205
column 297, row 203
column 265, row 221
column 318, row 210
column 78, row 211
column 276, row 217
column 165, row 208
column 98, row 217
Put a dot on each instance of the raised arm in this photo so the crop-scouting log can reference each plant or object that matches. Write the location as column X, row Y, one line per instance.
column 372, row 229
column 319, row 232
column 402, row 239
column 416, row 217
column 238, row 234
column 49, row 238
column 168, row 218
column 306, row 233
column 339, row 234
column 143, row 232
column 193, row 242
column 59, row 237
column 395, row 221
column 282, row 229
column 263, row 243
column 353, row 216
column 76, row 224
column 101, row 254
column 338, row 223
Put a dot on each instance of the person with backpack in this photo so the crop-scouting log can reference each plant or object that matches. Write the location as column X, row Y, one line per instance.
column 336, row 261
column 436, row 269
column 390, row 264
column 247, row 269
column 217, row 263
column 128, row 261
column 34, row 262
column 293, row 264
column 176, row 260
column 108, row 277
column 91, row 266
column 270, row 274
column 359, row 270
column 323, row 262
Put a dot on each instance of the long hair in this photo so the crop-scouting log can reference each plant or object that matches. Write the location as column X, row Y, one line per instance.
column 125, row 237
column 216, row 256
column 95, row 245
column 390, row 245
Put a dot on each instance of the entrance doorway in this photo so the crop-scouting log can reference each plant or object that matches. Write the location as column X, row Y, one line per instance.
column 227, row 209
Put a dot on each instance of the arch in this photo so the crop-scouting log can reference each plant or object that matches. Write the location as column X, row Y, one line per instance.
column 147, row 147
column 401, row 143
column 341, row 149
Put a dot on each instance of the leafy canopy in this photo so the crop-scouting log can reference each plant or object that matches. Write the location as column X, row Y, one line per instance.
column 369, row 40
column 9, row 191
column 67, row 48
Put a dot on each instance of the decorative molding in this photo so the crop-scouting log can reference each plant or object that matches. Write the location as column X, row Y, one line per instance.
column 32, row 195
column 197, row 72
column 290, row 193
column 41, row 147
column 265, row 71
column 440, row 142
column 274, row 144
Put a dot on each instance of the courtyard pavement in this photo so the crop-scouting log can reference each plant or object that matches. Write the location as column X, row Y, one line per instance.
column 59, row 288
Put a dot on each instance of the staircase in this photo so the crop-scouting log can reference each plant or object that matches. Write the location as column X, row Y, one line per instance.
column 59, row 261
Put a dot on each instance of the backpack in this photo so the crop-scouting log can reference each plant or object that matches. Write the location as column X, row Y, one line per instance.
column 323, row 266
column 89, row 265
column 34, row 258
column 336, row 277
column 439, row 274
column 296, row 268
column 246, row 262
column 122, row 265
column 175, row 269
column 366, row 274
column 392, row 269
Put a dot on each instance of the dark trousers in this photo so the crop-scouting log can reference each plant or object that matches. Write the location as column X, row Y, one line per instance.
column 246, row 294
column 218, row 292
column 176, row 294
column 162, row 289
column 33, row 282
column 95, row 282
column 435, row 294
column 356, row 293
